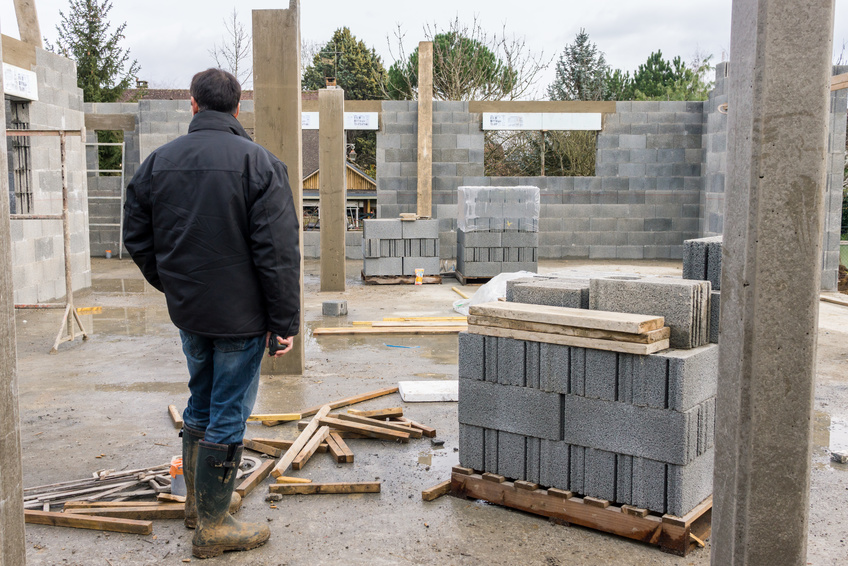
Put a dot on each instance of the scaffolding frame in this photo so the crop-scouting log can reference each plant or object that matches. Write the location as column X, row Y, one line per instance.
column 122, row 198
column 71, row 318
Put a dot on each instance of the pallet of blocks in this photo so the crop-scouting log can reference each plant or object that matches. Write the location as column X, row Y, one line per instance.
column 392, row 249
column 589, row 402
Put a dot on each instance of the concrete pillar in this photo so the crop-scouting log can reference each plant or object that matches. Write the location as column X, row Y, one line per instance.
column 776, row 160
column 12, row 540
column 425, row 129
column 28, row 22
column 277, row 105
column 332, row 190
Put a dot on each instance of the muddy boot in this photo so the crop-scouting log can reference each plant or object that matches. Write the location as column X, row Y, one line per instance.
column 215, row 478
column 191, row 438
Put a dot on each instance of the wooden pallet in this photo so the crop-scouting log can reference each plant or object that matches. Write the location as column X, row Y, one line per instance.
column 676, row 535
column 463, row 280
column 399, row 279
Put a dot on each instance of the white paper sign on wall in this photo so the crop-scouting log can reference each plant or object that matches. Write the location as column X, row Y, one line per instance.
column 19, row 84
column 352, row 120
column 536, row 121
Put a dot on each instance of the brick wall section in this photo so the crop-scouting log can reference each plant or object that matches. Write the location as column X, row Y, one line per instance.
column 37, row 246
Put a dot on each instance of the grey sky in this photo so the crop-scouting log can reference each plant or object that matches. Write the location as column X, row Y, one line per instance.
column 171, row 38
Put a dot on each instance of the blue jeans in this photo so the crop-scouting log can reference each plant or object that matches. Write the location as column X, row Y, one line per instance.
column 224, row 380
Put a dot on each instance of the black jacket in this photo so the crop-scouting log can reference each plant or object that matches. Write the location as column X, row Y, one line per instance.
column 210, row 221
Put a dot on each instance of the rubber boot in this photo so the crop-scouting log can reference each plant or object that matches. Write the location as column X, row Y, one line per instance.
column 215, row 478
column 191, row 438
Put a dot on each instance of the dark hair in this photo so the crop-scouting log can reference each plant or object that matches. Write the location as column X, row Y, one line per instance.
column 216, row 89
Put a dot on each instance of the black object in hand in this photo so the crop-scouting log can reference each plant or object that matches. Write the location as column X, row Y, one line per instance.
column 273, row 345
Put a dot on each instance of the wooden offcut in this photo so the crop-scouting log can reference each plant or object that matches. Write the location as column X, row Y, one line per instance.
column 286, row 444
column 370, row 431
column 351, row 400
column 76, row 521
column 135, row 512
column 289, row 479
column 412, row 432
column 339, row 449
column 272, row 451
column 427, row 431
column 378, row 413
column 326, row 488
column 176, row 417
column 436, row 491
column 645, row 338
column 576, row 341
column 415, row 329
column 298, row 444
column 564, row 316
column 256, row 477
column 311, row 447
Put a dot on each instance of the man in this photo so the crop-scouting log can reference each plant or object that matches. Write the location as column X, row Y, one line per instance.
column 210, row 221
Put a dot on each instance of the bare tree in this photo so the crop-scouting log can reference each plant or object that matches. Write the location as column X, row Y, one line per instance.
column 309, row 48
column 235, row 54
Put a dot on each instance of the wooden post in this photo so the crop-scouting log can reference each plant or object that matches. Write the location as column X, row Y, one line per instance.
column 28, row 22
column 12, row 538
column 332, row 190
column 425, row 129
column 778, row 111
column 277, row 99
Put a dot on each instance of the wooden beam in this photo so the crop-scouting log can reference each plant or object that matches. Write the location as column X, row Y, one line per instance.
column 366, row 430
column 137, row 513
column 838, row 82
column 298, row 444
column 548, row 106
column 284, row 444
column 289, row 479
column 110, row 122
column 645, row 338
column 339, row 449
column 326, row 488
column 258, row 475
column 436, row 491
column 378, row 413
column 272, row 451
column 28, row 25
column 75, row 521
column 582, row 318
column 350, row 105
column 70, row 506
column 311, row 447
column 577, row 341
column 427, row 431
column 352, row 400
column 275, row 417
column 412, row 432
column 176, row 417
column 18, row 53
column 415, row 330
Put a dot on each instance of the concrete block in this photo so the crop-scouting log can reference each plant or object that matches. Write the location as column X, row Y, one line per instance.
column 430, row 265
column 554, row 464
column 624, row 479
column 490, row 450
column 577, row 375
column 334, row 308
column 554, row 368
column 600, row 478
column 471, row 357
column 533, row 459
column 683, row 303
column 577, row 469
column 532, row 364
column 511, row 455
column 601, row 374
column 383, row 266
column 490, row 353
column 649, row 484
column 519, row 410
column 715, row 315
column 471, row 443
column 552, row 292
column 420, row 229
column 382, row 228
column 689, row 485
column 511, row 362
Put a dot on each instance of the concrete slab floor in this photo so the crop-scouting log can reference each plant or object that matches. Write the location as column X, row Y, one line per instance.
column 103, row 404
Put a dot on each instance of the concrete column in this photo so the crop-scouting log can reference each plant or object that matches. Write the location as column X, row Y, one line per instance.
column 28, row 22
column 776, row 159
column 332, row 190
column 277, row 105
column 12, row 540
column 425, row 129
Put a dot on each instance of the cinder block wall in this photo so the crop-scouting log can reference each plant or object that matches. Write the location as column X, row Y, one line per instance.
column 37, row 246
column 715, row 160
column 835, row 177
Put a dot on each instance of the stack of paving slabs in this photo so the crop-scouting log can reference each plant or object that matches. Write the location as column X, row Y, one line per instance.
column 497, row 230
column 550, row 291
column 588, row 401
column 702, row 262
column 392, row 247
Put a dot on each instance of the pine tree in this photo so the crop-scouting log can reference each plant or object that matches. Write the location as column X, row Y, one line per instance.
column 580, row 71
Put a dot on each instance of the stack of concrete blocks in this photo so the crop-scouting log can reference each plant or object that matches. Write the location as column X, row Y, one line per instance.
column 630, row 429
column 702, row 261
column 497, row 230
column 392, row 247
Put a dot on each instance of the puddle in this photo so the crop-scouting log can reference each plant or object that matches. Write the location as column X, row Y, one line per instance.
column 126, row 321
column 830, row 434
column 120, row 286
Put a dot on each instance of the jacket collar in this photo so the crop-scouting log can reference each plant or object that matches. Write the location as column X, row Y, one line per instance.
column 212, row 120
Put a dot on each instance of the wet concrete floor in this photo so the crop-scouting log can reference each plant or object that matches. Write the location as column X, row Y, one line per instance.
column 103, row 404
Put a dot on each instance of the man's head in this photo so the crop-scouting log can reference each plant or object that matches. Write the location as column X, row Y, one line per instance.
column 215, row 89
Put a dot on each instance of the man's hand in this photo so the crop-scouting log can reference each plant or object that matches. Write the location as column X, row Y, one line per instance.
column 287, row 342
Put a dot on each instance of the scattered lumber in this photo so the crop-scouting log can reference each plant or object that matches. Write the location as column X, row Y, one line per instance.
column 339, row 449
column 311, row 447
column 378, row 413
column 343, row 433
column 75, row 521
column 436, row 491
column 412, row 432
column 300, row 442
column 249, row 483
column 289, row 479
column 272, row 451
column 577, row 341
column 326, row 488
column 645, row 338
column 459, row 292
column 175, row 416
column 563, row 316
column 370, row 431
column 281, row 417
column 427, row 431
column 138, row 513
column 168, row 497
column 351, row 400
column 286, row 444
column 416, row 329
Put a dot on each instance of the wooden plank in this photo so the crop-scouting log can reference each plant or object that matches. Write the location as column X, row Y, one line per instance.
column 286, row 444
column 835, row 300
column 169, row 497
column 412, row 432
column 366, row 430
column 272, row 451
column 428, row 318
column 18, row 53
column 175, row 416
column 326, row 488
column 420, row 324
column 459, row 292
column 75, row 521
column 352, row 400
column 838, row 82
column 70, row 506
column 298, row 444
column 343, row 454
column 281, row 417
column 378, row 413
column 311, row 447
column 532, row 106
column 110, row 122
column 256, row 477
column 289, row 479
column 415, row 330
column 427, row 431
column 436, row 491
column 528, row 485
column 608, row 345
column 646, row 338
column 136, row 513
column 563, row 316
